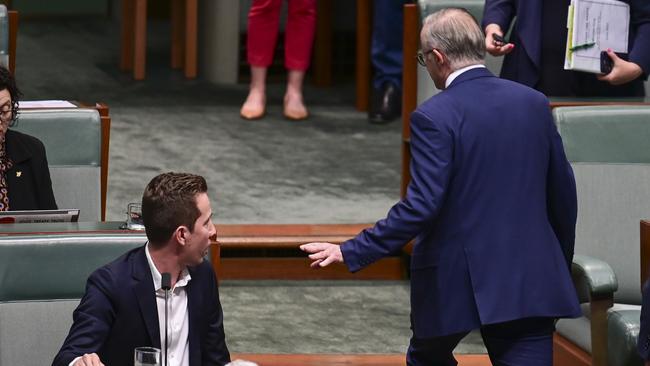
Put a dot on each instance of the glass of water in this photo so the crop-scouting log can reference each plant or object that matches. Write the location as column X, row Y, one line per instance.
column 147, row 356
column 134, row 216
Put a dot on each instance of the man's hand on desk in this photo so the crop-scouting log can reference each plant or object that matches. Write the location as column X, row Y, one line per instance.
column 622, row 71
column 323, row 254
column 89, row 359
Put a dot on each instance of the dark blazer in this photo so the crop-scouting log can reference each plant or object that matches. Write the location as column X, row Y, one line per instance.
column 523, row 63
column 28, row 182
column 118, row 313
column 644, row 332
column 492, row 206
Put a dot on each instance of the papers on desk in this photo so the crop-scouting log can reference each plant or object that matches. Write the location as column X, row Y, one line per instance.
column 595, row 26
column 45, row 104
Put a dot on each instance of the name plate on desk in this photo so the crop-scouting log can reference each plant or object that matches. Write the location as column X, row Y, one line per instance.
column 39, row 216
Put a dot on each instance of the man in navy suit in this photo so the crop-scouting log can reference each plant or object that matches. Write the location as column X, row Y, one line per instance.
column 535, row 54
column 491, row 205
column 124, row 304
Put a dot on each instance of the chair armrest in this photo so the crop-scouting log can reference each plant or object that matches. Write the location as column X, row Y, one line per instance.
column 595, row 283
column 593, row 278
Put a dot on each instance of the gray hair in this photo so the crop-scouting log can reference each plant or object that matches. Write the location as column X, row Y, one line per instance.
column 455, row 32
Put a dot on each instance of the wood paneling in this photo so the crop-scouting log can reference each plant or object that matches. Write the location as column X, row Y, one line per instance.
column 340, row 360
column 13, row 39
column 323, row 45
column 184, row 18
column 298, row 269
column 290, row 230
column 566, row 353
column 410, row 87
column 362, row 71
column 106, row 140
column 645, row 251
column 281, row 239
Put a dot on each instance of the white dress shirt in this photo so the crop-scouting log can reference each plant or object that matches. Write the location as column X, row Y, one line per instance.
column 179, row 324
column 457, row 73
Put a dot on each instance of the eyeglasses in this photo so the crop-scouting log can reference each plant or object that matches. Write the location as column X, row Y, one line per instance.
column 420, row 57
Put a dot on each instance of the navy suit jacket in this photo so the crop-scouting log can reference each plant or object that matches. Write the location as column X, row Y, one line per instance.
column 492, row 204
column 644, row 332
column 523, row 63
column 118, row 313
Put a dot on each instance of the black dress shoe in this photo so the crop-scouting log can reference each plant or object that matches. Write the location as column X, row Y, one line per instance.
column 385, row 104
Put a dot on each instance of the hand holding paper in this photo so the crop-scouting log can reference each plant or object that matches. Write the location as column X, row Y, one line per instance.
column 594, row 26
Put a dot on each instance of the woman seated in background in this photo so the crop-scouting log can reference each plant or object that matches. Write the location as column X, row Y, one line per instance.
column 24, row 175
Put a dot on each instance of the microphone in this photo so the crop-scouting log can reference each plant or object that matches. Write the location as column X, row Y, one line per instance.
column 166, row 284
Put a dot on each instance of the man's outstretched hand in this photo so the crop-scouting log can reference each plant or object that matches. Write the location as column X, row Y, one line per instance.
column 323, row 254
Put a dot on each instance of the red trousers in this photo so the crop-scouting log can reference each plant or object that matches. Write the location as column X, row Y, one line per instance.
column 263, row 28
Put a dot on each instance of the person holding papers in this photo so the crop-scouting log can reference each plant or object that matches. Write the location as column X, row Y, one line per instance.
column 25, row 182
column 536, row 49
column 124, row 304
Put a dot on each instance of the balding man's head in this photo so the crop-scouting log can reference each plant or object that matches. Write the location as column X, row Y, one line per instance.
column 454, row 32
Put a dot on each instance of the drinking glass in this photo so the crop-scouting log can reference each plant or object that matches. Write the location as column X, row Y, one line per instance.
column 147, row 356
column 134, row 216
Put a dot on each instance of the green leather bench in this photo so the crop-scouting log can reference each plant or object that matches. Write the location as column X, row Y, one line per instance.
column 42, row 278
column 73, row 140
column 610, row 154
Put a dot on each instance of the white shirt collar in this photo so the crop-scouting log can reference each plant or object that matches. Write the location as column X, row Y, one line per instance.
column 183, row 279
column 457, row 73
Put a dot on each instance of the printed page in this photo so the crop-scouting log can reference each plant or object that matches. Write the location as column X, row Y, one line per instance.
column 595, row 26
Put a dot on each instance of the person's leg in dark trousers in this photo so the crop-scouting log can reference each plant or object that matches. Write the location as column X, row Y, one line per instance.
column 436, row 351
column 386, row 57
column 523, row 342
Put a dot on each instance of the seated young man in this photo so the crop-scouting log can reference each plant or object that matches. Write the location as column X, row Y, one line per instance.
column 124, row 304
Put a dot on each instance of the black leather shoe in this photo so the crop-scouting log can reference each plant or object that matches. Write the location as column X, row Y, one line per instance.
column 385, row 104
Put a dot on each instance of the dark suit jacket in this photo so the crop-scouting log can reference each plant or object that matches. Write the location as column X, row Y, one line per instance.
column 492, row 202
column 29, row 184
column 523, row 63
column 118, row 313
column 644, row 332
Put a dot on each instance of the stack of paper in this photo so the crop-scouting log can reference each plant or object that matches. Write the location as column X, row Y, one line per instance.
column 595, row 26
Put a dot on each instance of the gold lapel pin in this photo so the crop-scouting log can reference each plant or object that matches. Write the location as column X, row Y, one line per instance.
column 18, row 174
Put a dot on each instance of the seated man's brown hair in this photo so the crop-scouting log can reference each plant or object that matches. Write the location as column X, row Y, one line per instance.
column 169, row 201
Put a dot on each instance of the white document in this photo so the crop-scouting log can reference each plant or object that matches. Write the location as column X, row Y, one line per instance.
column 45, row 104
column 595, row 26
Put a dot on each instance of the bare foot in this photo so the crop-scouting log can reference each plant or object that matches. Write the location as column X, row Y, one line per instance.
column 254, row 106
column 294, row 108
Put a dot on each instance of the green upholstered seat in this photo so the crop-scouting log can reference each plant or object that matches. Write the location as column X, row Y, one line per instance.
column 609, row 149
column 72, row 139
column 42, row 278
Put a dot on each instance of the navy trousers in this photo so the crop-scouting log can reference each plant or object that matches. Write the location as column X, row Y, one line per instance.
column 523, row 342
column 386, row 48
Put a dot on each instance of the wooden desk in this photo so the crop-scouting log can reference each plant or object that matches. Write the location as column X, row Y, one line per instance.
column 251, row 251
